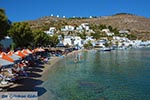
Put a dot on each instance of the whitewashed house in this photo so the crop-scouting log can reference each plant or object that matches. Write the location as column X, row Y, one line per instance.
column 51, row 31
column 73, row 41
column 91, row 39
column 100, row 43
column 107, row 31
column 78, row 41
column 124, row 32
column 91, row 31
column 68, row 28
column 79, row 28
column 85, row 26
column 67, row 40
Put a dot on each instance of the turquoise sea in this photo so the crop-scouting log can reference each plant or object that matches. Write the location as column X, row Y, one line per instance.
column 115, row 75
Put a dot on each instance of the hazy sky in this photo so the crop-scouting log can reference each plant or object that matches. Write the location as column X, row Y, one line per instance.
column 21, row 10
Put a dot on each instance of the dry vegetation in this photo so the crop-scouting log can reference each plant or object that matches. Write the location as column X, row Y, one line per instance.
column 136, row 24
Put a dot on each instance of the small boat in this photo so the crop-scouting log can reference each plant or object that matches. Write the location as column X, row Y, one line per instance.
column 105, row 49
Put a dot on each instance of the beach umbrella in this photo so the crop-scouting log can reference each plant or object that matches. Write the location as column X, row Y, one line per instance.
column 19, row 53
column 15, row 58
column 3, row 53
column 36, row 50
column 29, row 51
column 10, row 53
column 5, row 63
column 6, row 57
column 25, row 52
column 39, row 50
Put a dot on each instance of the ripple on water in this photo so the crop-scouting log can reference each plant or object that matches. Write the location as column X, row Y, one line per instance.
column 118, row 75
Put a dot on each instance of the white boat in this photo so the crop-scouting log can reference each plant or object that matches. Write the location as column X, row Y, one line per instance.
column 105, row 49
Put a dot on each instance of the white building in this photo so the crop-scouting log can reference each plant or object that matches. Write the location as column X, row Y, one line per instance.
column 85, row 26
column 91, row 39
column 79, row 28
column 107, row 31
column 68, row 28
column 51, row 31
column 100, row 43
column 124, row 32
column 73, row 41
column 78, row 41
column 120, row 38
column 82, row 27
column 67, row 40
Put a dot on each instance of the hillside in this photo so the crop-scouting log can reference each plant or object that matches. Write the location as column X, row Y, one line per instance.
column 136, row 24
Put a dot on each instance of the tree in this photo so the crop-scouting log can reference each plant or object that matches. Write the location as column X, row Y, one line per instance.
column 131, row 36
column 101, row 26
column 107, row 44
column 4, row 24
column 110, row 28
column 88, row 45
column 54, row 40
column 21, row 34
column 116, row 32
column 41, row 38
column 96, row 35
column 82, row 35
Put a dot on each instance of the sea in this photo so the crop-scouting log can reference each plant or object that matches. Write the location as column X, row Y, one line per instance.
column 115, row 75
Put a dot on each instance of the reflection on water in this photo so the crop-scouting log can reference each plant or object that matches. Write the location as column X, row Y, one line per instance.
column 116, row 75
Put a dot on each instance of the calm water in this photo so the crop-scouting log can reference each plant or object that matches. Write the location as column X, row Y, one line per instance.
column 116, row 75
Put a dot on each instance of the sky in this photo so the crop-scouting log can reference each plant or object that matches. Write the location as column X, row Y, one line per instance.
column 23, row 10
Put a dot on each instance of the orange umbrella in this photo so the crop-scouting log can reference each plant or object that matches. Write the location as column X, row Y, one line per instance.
column 10, row 53
column 3, row 53
column 25, row 52
column 36, row 50
column 29, row 51
column 19, row 53
column 33, row 51
column 39, row 50
column 6, row 57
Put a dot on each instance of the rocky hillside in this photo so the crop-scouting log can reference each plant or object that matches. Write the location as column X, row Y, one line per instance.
column 136, row 24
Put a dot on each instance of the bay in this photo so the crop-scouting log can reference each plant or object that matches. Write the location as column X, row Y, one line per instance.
column 115, row 75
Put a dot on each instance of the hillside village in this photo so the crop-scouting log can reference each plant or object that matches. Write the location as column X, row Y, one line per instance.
column 72, row 38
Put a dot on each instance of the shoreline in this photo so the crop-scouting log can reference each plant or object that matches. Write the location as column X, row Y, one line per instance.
column 37, row 76
column 35, row 73
column 53, row 61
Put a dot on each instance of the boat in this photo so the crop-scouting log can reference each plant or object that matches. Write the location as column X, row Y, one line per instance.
column 105, row 49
